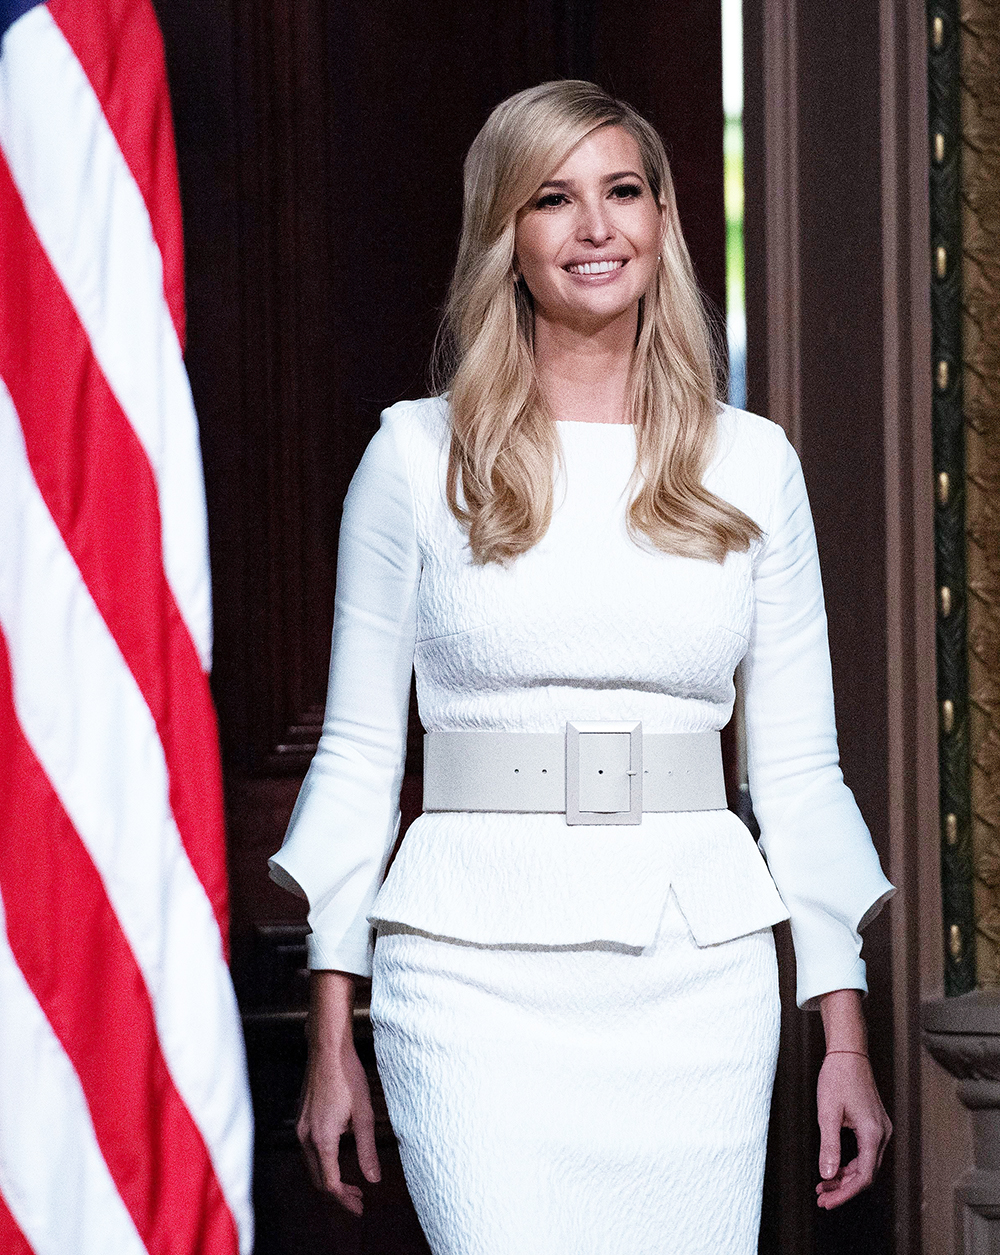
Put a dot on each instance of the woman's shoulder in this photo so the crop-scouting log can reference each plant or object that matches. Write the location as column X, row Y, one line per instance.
column 424, row 422
column 753, row 459
column 743, row 434
column 409, row 449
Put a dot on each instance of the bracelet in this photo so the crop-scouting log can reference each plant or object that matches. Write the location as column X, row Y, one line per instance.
column 862, row 1054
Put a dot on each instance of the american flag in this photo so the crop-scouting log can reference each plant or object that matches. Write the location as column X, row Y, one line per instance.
column 125, row 1122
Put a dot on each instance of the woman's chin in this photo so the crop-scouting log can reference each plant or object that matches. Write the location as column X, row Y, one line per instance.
column 592, row 317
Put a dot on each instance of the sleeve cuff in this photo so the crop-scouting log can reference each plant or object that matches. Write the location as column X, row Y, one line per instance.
column 352, row 953
column 285, row 879
column 876, row 907
column 812, row 984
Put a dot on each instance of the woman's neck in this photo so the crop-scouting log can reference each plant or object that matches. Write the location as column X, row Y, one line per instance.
column 584, row 376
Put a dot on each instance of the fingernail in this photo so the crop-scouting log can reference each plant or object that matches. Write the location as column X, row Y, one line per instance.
column 827, row 1170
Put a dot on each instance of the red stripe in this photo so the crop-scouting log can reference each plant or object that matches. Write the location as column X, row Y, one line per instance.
column 97, row 483
column 119, row 45
column 12, row 1240
column 71, row 950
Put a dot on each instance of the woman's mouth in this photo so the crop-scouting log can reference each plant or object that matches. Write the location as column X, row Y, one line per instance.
column 594, row 267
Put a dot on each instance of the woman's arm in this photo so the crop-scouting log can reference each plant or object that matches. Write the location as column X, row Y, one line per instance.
column 817, row 845
column 345, row 820
column 335, row 1096
column 846, row 1098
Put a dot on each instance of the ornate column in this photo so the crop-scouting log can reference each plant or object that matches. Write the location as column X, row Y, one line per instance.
column 963, row 1032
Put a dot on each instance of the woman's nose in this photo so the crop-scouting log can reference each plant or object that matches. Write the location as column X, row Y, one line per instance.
column 594, row 225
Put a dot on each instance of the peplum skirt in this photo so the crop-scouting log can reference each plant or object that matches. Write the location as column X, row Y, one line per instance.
column 591, row 1099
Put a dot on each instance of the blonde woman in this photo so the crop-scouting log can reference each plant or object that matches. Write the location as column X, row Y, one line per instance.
column 574, row 992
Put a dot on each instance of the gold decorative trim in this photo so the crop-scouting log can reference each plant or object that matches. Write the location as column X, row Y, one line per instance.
column 944, row 89
column 980, row 60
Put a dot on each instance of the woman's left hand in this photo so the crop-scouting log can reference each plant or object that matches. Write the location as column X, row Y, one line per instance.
column 846, row 1097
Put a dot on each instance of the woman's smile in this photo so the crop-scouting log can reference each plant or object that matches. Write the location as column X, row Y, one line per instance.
column 595, row 268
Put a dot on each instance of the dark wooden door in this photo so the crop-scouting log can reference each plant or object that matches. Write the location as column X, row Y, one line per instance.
column 320, row 149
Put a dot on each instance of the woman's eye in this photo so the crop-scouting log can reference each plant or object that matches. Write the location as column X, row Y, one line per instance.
column 626, row 191
column 550, row 200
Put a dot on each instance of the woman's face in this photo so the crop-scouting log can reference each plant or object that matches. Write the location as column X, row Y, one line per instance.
column 586, row 244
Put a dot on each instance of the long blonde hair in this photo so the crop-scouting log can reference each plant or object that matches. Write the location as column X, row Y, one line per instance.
column 504, row 446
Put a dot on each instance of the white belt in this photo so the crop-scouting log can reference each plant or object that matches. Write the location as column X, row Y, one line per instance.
column 597, row 773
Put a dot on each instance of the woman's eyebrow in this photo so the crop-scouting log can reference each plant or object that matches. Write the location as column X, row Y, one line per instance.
column 608, row 178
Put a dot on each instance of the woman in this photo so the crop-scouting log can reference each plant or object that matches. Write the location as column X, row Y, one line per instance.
column 574, row 992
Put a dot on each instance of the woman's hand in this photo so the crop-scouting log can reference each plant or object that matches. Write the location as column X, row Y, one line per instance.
column 335, row 1097
column 846, row 1097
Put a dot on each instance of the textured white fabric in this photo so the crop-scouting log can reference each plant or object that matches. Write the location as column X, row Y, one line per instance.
column 580, row 1101
column 587, row 626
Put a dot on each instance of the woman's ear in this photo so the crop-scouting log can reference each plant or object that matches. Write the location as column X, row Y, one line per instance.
column 664, row 234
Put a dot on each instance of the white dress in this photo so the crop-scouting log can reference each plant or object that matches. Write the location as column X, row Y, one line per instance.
column 567, row 1046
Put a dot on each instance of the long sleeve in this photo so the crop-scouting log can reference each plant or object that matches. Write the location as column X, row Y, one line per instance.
column 347, row 814
column 818, row 848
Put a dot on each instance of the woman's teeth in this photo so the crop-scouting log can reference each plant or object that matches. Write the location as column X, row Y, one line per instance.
column 595, row 267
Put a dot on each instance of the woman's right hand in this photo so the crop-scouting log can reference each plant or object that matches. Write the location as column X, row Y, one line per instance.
column 335, row 1097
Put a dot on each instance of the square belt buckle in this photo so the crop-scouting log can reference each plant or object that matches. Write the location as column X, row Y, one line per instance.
column 573, row 813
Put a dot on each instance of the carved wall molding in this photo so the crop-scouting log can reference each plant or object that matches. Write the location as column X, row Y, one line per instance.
column 963, row 1035
column 944, row 88
column 980, row 183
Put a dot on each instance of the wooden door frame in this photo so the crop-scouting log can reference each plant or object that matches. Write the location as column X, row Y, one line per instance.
column 795, row 139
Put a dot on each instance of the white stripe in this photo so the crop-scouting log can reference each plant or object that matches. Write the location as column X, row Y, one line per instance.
column 86, row 720
column 52, row 1173
column 92, row 221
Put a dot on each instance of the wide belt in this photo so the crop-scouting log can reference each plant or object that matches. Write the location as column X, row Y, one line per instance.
column 595, row 773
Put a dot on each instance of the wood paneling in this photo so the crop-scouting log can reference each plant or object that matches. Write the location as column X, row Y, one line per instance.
column 666, row 60
column 835, row 146
column 842, row 444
